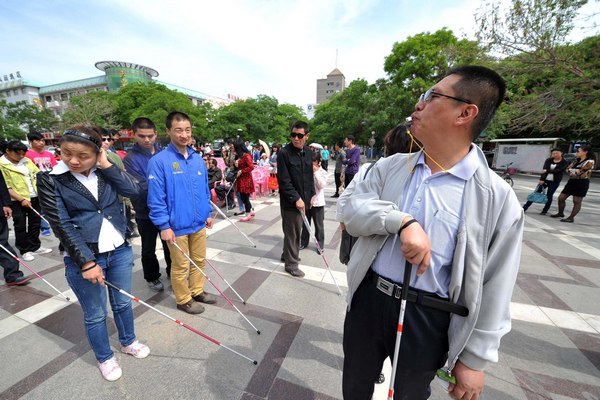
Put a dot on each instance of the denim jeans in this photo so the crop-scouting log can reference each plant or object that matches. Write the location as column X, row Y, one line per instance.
column 117, row 266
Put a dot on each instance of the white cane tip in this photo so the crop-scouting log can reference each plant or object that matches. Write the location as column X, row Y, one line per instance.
column 255, row 362
column 68, row 299
column 257, row 331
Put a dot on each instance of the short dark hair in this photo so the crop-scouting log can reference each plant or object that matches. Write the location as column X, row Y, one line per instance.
column 556, row 149
column 34, row 136
column 176, row 116
column 351, row 138
column 483, row 87
column 301, row 125
column 142, row 123
column 214, row 162
column 15, row 145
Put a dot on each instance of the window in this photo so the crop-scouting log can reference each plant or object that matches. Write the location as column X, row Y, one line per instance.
column 48, row 98
column 64, row 97
column 329, row 91
column 329, row 83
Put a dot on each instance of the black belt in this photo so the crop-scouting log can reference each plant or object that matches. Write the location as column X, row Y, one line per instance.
column 418, row 296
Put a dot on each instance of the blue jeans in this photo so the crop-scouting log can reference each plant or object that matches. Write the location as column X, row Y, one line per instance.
column 117, row 266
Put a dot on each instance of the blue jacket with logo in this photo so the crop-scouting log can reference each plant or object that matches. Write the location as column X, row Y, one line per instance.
column 178, row 194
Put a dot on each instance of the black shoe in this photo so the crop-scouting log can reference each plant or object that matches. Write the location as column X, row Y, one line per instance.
column 319, row 252
column 20, row 281
column 567, row 220
column 231, row 207
column 336, row 195
column 296, row 272
column 240, row 214
column 543, row 212
column 557, row 215
column 206, row 298
column 302, row 246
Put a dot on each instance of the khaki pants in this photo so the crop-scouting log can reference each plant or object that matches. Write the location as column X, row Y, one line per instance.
column 186, row 280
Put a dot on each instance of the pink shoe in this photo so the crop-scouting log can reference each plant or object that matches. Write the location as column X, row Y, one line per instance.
column 246, row 218
column 110, row 369
column 136, row 349
column 252, row 214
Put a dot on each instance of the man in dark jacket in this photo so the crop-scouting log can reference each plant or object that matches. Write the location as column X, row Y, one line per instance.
column 136, row 164
column 296, row 187
column 12, row 275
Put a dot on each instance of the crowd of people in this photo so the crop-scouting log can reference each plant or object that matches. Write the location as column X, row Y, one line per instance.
column 408, row 208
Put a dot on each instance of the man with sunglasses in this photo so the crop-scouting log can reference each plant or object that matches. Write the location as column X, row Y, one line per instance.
column 445, row 212
column 296, row 188
column 136, row 163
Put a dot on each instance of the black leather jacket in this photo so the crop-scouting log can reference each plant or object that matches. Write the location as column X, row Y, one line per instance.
column 76, row 216
column 295, row 176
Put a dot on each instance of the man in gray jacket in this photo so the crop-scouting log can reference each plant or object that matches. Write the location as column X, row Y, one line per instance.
column 465, row 241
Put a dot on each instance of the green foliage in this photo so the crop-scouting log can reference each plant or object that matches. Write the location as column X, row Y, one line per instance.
column 421, row 60
column 94, row 108
column 156, row 101
column 261, row 118
column 18, row 119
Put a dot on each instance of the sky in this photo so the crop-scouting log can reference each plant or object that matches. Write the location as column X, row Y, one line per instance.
column 243, row 48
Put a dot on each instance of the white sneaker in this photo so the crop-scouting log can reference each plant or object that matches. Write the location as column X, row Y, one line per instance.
column 28, row 256
column 136, row 349
column 110, row 369
column 42, row 250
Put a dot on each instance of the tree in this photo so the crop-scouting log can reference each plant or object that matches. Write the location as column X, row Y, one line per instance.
column 95, row 108
column 553, row 86
column 18, row 119
column 155, row 101
column 421, row 60
column 260, row 118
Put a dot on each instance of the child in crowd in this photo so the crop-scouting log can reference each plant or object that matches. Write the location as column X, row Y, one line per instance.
column 317, row 202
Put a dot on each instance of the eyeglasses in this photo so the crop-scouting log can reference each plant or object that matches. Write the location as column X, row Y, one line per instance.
column 106, row 139
column 428, row 95
column 297, row 135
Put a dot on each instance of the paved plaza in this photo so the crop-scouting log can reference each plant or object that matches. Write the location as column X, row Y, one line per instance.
column 552, row 352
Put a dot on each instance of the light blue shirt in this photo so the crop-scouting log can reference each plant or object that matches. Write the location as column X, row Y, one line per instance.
column 436, row 202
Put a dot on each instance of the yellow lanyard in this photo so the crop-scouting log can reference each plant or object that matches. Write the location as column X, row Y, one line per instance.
column 412, row 140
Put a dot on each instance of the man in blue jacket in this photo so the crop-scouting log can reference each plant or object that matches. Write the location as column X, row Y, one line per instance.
column 179, row 201
column 136, row 164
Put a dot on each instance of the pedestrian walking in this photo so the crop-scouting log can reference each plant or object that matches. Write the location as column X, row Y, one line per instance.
column 295, row 178
column 339, row 156
column 244, row 183
column 552, row 174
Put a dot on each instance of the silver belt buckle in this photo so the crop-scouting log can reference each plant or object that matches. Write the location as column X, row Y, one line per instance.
column 385, row 286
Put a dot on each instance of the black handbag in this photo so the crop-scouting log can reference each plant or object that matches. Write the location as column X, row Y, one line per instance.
column 231, row 175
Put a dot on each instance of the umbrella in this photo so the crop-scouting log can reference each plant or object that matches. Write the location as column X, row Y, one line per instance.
column 316, row 146
column 266, row 147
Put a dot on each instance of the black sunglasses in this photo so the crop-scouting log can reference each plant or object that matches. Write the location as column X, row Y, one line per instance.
column 297, row 135
column 106, row 139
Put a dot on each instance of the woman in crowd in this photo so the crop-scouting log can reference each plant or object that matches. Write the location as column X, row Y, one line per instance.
column 80, row 199
column 20, row 176
column 273, row 169
column 552, row 174
column 580, row 172
column 317, row 202
column 244, row 184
